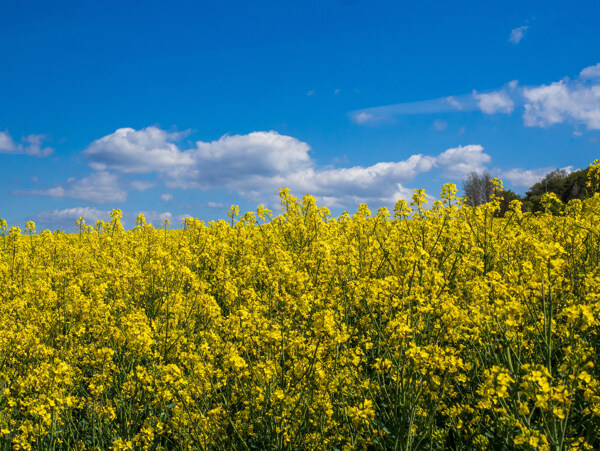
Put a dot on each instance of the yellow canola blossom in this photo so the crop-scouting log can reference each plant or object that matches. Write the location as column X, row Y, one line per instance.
column 448, row 327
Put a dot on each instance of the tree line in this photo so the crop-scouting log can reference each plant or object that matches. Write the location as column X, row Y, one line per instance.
column 478, row 188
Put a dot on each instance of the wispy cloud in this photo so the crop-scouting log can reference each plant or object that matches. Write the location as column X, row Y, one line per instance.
column 517, row 34
column 29, row 145
column 576, row 101
column 448, row 104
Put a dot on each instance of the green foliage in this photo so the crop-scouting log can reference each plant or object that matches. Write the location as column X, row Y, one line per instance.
column 566, row 186
column 507, row 197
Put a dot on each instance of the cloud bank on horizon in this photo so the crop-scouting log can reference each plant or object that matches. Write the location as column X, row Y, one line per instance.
column 575, row 101
column 254, row 166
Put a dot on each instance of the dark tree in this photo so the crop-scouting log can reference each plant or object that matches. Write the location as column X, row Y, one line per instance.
column 478, row 188
column 507, row 197
column 566, row 186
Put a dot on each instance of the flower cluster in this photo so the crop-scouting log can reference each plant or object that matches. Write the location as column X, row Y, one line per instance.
column 447, row 327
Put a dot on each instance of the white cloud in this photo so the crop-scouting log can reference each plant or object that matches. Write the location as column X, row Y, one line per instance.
column 98, row 187
column 363, row 118
column 217, row 163
column 458, row 162
column 448, row 104
column 166, row 197
column 523, row 178
column 142, row 185
column 379, row 183
column 497, row 101
column 494, row 102
column 576, row 101
column 67, row 217
column 517, row 34
column 31, row 145
column 137, row 151
column 454, row 102
column 256, row 165
column 7, row 145
column 241, row 160
column 590, row 72
column 34, row 146
column 563, row 101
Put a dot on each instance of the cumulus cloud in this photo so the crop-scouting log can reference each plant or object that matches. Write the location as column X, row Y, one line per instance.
column 217, row 163
column 253, row 166
column 98, row 187
column 575, row 101
column 523, row 178
column 34, row 146
column 384, row 182
column 591, row 72
column 458, row 162
column 494, row 102
column 257, row 164
column 67, row 217
column 517, row 34
column 137, row 151
column 258, row 154
column 30, row 145
column 379, row 183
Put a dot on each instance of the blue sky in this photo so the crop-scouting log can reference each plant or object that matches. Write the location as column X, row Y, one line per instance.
column 183, row 108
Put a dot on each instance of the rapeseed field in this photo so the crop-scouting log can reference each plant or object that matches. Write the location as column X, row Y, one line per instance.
column 445, row 327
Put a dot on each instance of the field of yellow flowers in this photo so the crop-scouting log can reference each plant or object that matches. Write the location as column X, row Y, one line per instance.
column 439, row 328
